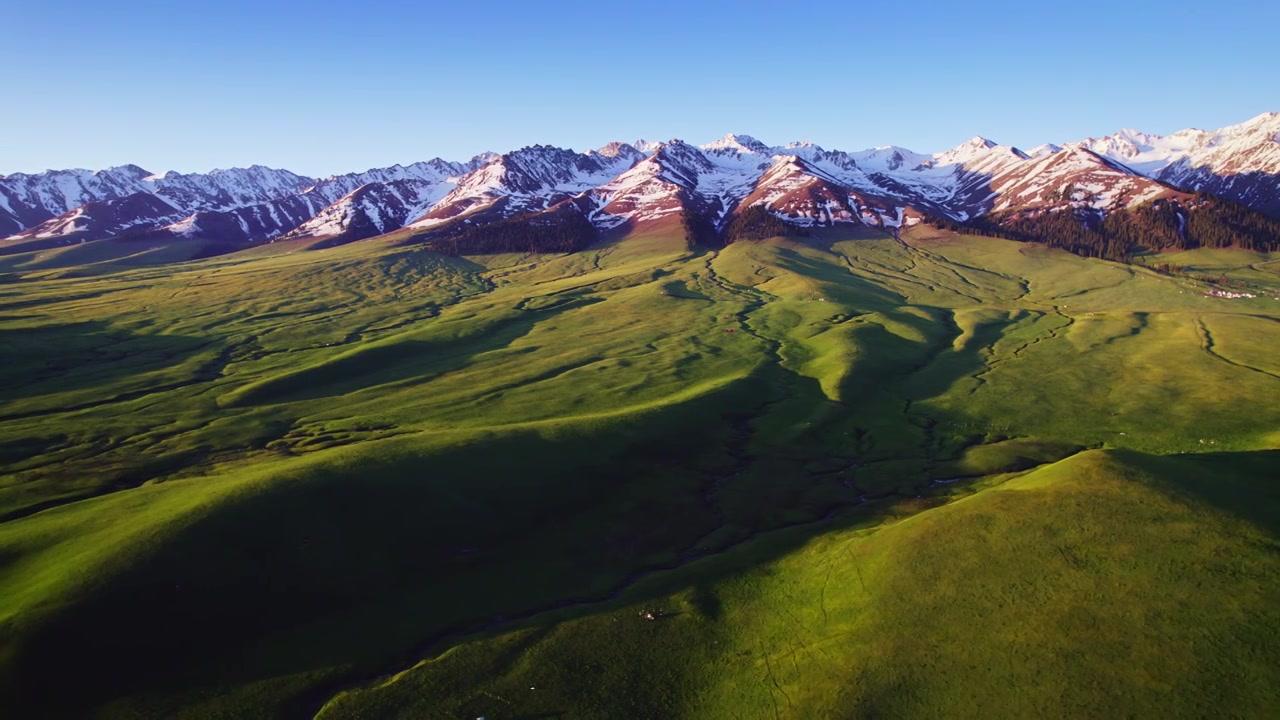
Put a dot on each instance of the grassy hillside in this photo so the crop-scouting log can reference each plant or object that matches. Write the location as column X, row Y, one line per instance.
column 272, row 483
column 979, row 607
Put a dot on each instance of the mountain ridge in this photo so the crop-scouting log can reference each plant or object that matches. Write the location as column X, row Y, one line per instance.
column 626, row 184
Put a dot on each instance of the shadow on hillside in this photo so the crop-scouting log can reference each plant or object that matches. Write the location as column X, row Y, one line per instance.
column 396, row 361
column 1256, row 189
column 369, row 559
column 383, row 553
column 68, row 357
column 1243, row 484
column 108, row 255
column 838, row 279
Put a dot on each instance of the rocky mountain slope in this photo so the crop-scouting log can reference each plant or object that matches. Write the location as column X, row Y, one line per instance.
column 1240, row 162
column 625, row 184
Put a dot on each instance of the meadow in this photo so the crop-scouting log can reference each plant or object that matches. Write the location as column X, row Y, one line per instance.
column 844, row 475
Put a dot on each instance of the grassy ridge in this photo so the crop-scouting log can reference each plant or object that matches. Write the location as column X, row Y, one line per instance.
column 246, row 484
column 978, row 607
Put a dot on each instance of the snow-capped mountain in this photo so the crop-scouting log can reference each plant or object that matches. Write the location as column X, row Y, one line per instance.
column 737, row 145
column 889, row 158
column 528, row 180
column 1077, row 178
column 796, row 190
column 354, row 205
column 104, row 218
column 662, row 184
column 83, row 204
column 241, row 205
column 736, row 172
column 27, row 200
column 223, row 189
column 629, row 184
column 436, row 170
column 247, row 224
column 373, row 209
column 1238, row 162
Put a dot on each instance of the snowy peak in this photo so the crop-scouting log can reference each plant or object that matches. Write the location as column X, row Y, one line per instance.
column 540, row 167
column 1045, row 149
column 974, row 150
column 1137, row 137
column 791, row 169
column 663, row 184
column 329, row 206
column 683, row 162
column 248, row 223
column 250, row 204
column 629, row 183
column 620, row 149
column 831, row 161
column 738, row 161
column 1193, row 147
column 788, row 163
column 742, row 144
column 1139, row 150
column 27, row 200
column 372, row 209
column 1238, row 162
column 104, row 218
column 234, row 187
column 531, row 179
column 801, row 193
column 1267, row 123
column 532, row 168
column 889, row 158
column 118, row 173
column 975, row 146
column 332, row 188
column 808, row 151
column 1075, row 178
column 130, row 171
column 481, row 160
column 679, row 177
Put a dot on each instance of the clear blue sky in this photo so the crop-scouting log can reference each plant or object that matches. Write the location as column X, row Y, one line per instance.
column 322, row 86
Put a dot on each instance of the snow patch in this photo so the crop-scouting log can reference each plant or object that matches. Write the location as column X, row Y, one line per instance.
column 185, row 227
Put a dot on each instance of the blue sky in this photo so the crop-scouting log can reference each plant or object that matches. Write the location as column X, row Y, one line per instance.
column 323, row 87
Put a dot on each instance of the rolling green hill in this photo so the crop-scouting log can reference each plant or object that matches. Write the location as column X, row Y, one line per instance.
column 847, row 475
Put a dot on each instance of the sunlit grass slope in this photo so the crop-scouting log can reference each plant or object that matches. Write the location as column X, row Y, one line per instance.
column 262, row 484
column 1109, row 584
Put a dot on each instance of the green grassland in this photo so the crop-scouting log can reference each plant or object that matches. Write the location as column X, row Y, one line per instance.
column 976, row 608
column 849, row 475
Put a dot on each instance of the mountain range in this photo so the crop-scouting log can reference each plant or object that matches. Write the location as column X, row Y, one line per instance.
column 625, row 185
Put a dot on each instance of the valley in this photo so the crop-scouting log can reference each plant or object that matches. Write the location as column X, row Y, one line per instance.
column 440, row 361
column 860, row 471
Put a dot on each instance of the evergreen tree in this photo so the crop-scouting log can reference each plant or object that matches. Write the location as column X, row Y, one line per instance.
column 757, row 223
column 1166, row 224
column 698, row 230
column 563, row 230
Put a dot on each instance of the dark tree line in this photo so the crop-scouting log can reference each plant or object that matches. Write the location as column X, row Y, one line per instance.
column 698, row 229
column 560, row 231
column 1074, row 233
column 1173, row 270
column 1156, row 226
column 566, row 230
column 1219, row 223
column 757, row 223
column 1206, row 221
